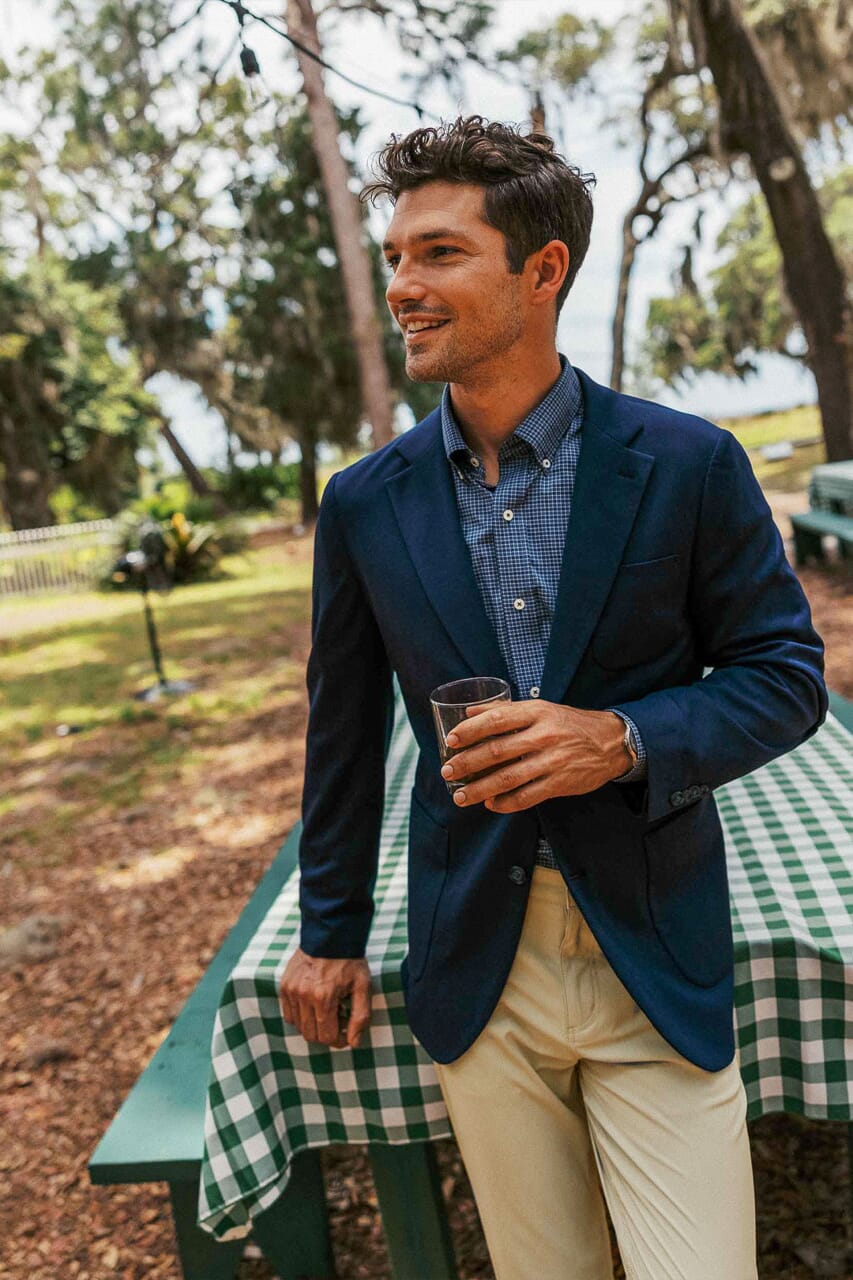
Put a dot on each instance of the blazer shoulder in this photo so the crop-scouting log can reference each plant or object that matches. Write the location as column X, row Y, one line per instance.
column 657, row 429
column 675, row 432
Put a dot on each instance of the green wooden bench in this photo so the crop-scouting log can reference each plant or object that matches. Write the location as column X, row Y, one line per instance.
column 810, row 528
column 157, row 1136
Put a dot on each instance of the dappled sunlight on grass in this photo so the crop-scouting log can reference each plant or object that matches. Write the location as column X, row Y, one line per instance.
column 231, row 638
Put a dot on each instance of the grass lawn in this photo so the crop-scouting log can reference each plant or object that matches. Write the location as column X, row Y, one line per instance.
column 797, row 425
column 77, row 660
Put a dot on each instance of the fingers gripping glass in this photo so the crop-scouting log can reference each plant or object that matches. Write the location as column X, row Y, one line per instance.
column 450, row 703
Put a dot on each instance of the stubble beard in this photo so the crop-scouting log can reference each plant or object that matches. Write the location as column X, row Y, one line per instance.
column 460, row 357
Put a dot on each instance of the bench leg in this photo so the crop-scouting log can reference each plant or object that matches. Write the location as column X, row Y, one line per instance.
column 293, row 1233
column 202, row 1257
column 807, row 544
column 850, row 1170
column 413, row 1212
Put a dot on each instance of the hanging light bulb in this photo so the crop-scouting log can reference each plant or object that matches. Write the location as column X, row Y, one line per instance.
column 249, row 62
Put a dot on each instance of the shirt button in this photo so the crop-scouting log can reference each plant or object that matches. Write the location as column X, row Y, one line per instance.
column 475, row 462
column 546, row 462
column 507, row 514
column 518, row 604
column 534, row 692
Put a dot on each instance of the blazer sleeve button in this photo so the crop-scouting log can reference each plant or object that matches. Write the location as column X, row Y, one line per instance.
column 677, row 799
column 517, row 875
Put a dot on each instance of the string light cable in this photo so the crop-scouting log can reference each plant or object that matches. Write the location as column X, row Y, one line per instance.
column 251, row 66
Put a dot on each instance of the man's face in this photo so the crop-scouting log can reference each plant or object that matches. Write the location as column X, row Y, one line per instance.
column 450, row 267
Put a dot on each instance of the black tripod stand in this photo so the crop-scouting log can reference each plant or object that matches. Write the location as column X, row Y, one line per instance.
column 148, row 567
column 163, row 687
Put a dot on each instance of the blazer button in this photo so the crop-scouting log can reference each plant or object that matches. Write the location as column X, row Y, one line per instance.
column 677, row 799
column 517, row 875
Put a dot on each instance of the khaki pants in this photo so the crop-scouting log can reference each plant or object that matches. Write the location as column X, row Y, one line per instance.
column 569, row 1089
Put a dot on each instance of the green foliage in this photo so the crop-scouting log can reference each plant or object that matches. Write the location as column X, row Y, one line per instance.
column 259, row 488
column 745, row 309
column 70, row 507
column 73, row 392
column 567, row 51
column 171, row 496
column 193, row 550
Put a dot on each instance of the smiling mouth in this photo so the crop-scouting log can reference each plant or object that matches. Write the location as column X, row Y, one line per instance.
column 417, row 334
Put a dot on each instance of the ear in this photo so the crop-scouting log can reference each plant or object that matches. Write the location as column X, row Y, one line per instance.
column 550, row 267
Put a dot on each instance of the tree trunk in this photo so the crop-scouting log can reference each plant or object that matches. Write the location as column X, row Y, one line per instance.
column 629, row 251
column 308, row 478
column 198, row 484
column 353, row 258
column 752, row 121
column 25, row 476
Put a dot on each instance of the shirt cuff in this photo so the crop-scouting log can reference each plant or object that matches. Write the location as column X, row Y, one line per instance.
column 640, row 770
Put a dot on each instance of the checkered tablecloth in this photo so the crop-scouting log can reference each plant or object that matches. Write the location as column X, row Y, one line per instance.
column 789, row 838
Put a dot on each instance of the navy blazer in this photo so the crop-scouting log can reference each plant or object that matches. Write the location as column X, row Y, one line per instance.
column 672, row 565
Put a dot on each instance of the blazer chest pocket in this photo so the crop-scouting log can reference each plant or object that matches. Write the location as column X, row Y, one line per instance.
column 642, row 616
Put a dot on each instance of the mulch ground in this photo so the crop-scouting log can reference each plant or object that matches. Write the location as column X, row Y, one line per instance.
column 80, row 1025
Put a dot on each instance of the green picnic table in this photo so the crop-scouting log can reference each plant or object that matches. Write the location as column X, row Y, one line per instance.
column 235, row 1106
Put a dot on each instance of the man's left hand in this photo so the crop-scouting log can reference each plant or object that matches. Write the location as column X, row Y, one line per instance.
column 532, row 751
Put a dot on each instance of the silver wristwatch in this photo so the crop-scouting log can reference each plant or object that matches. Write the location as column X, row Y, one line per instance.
column 629, row 742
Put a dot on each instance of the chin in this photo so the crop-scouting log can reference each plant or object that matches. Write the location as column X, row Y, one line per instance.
column 425, row 370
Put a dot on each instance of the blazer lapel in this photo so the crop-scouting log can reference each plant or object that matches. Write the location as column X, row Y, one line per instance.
column 424, row 503
column 609, row 485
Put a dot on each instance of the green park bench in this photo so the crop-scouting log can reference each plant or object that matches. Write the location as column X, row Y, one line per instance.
column 810, row 528
column 158, row 1136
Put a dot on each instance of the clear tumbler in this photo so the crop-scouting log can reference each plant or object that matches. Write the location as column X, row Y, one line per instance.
column 450, row 703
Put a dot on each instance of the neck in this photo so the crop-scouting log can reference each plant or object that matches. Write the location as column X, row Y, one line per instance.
column 489, row 409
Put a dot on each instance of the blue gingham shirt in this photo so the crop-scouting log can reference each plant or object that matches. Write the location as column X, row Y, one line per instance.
column 515, row 532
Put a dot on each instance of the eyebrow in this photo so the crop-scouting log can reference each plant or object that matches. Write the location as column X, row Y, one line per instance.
column 440, row 233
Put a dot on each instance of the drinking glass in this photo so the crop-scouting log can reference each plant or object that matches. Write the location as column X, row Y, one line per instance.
column 450, row 703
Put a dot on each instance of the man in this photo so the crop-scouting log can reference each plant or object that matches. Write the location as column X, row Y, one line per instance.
column 570, row 949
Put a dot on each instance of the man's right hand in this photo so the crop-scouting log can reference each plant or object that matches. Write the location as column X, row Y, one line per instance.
column 311, row 993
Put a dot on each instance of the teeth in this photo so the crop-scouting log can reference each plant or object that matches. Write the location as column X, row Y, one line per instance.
column 415, row 326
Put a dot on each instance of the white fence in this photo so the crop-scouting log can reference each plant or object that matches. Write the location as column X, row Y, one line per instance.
column 67, row 557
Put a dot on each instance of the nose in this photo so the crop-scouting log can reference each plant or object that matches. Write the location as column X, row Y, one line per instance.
column 404, row 285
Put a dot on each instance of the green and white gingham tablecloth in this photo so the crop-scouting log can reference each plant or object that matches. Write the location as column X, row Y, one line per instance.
column 789, row 837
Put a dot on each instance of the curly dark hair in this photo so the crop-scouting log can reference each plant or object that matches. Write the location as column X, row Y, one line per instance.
column 532, row 194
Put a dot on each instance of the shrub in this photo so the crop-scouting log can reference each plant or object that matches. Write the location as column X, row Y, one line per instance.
column 261, row 487
column 192, row 551
column 173, row 496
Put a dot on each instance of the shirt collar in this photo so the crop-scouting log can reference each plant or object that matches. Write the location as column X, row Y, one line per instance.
column 556, row 415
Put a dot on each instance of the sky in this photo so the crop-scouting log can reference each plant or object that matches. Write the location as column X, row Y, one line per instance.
column 359, row 45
